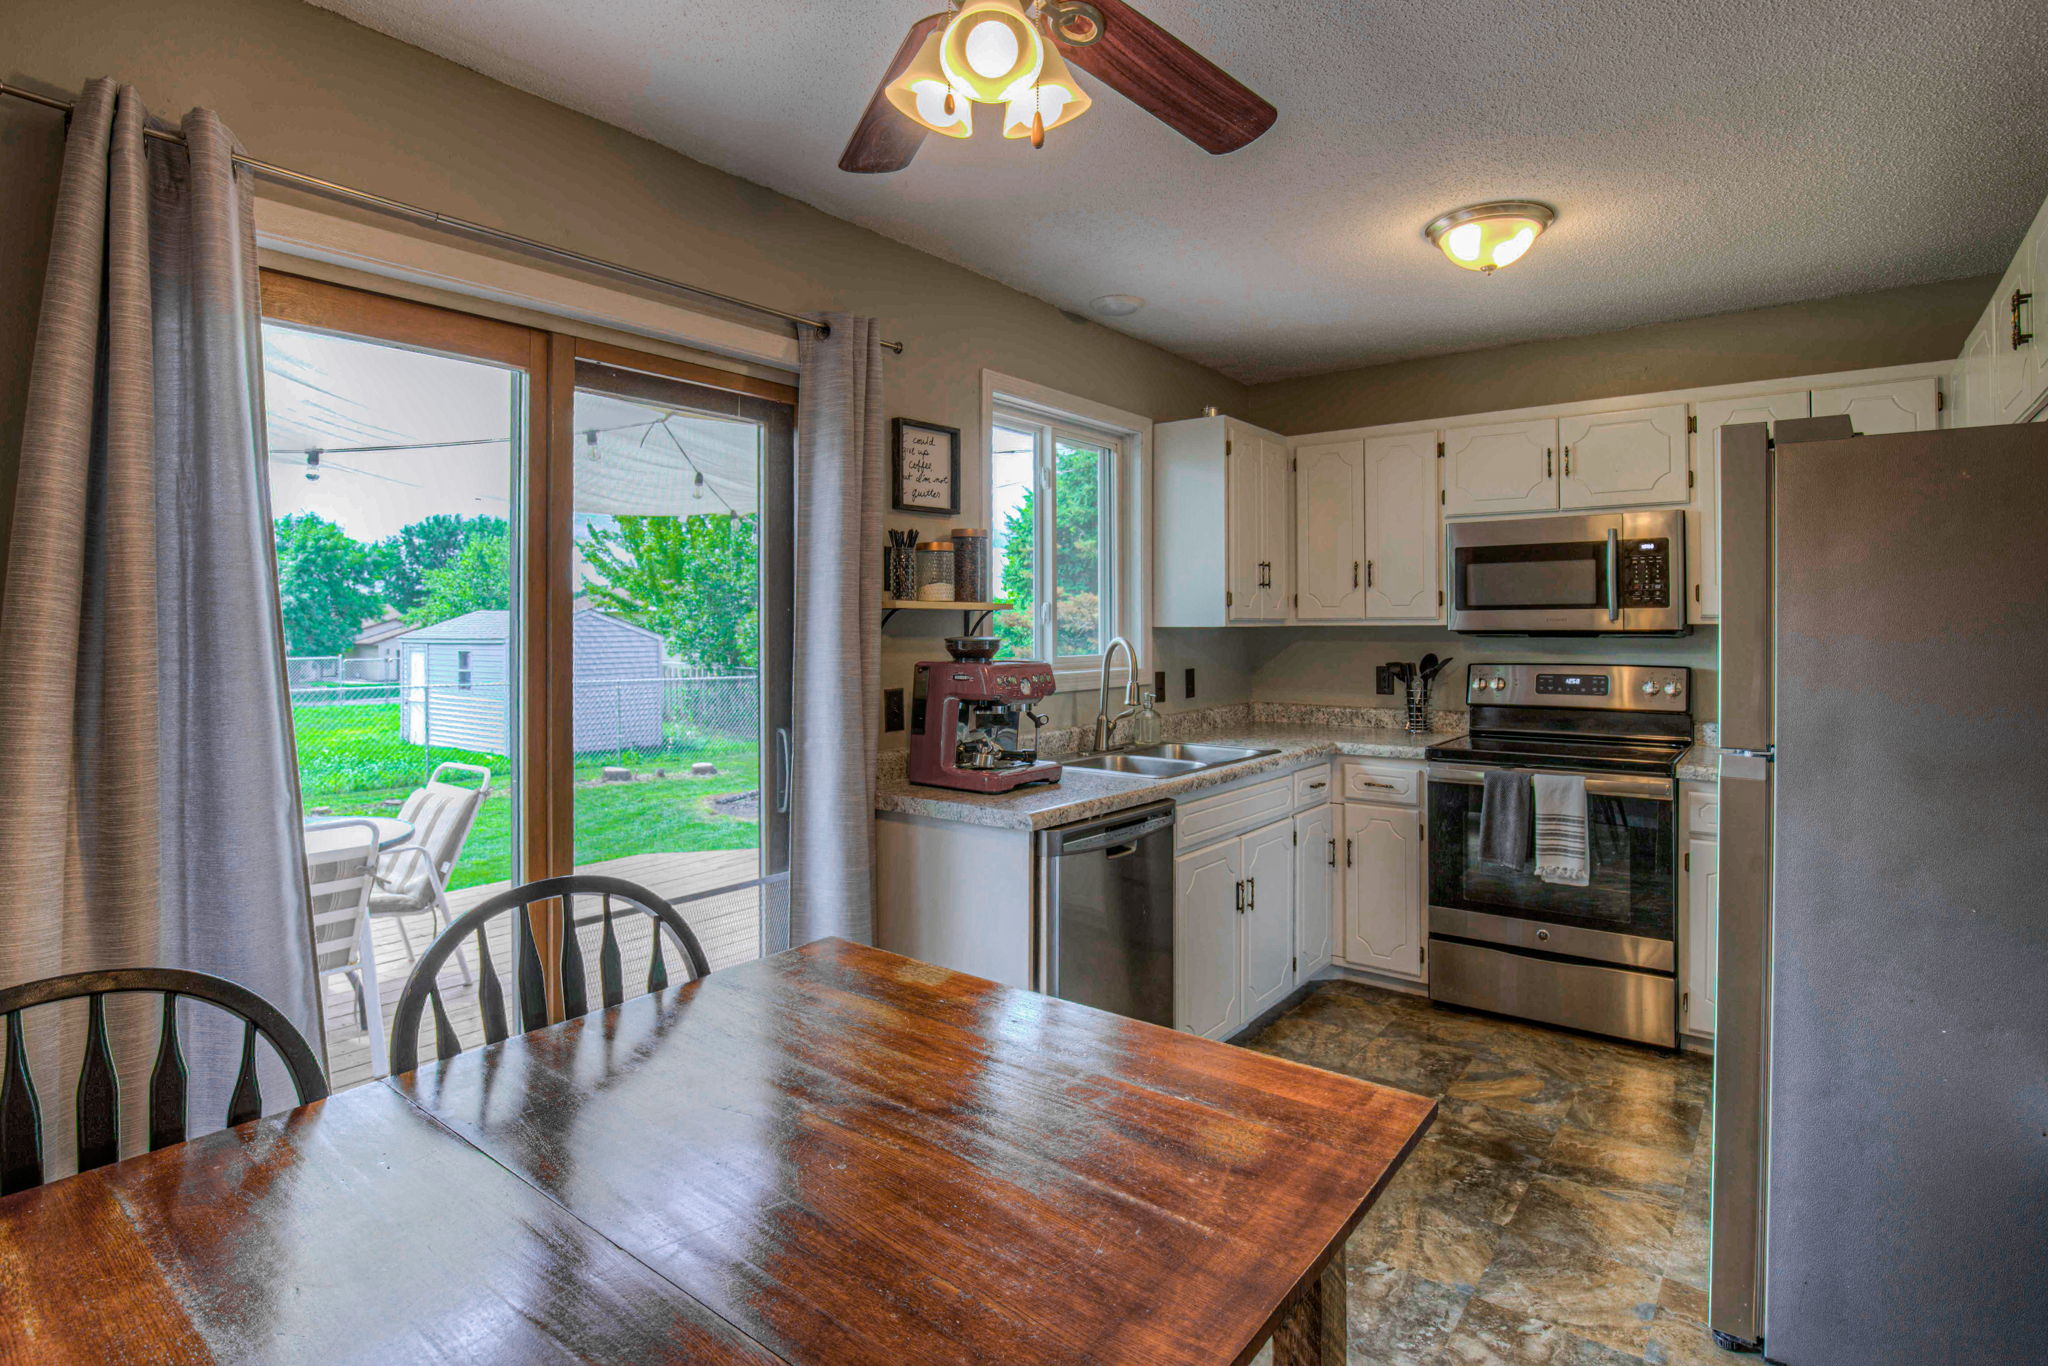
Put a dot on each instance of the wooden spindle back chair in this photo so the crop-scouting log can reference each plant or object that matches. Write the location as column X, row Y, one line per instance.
column 99, row 1097
column 613, row 895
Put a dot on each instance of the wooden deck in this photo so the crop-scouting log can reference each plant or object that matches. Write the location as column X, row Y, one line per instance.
column 728, row 926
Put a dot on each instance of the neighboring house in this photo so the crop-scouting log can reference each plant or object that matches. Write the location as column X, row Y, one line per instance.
column 454, row 675
column 379, row 641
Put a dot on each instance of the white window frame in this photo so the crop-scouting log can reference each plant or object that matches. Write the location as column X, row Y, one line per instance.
column 1127, row 489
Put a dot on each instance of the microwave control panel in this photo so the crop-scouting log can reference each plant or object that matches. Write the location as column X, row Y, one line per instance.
column 1645, row 568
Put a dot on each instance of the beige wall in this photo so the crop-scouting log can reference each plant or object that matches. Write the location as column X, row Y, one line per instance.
column 319, row 94
column 1851, row 332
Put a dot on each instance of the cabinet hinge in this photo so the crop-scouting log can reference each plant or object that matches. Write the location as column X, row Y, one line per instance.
column 1442, row 499
column 1688, row 860
column 1439, row 450
column 1297, row 602
column 1696, row 593
column 1685, row 1004
column 1425, row 955
column 1940, row 400
column 1692, row 424
column 1297, row 838
column 1293, row 966
column 1226, row 445
column 1439, row 598
column 1689, row 479
column 1229, row 599
column 1294, row 465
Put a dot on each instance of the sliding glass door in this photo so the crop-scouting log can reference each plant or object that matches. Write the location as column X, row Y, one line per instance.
column 548, row 572
column 680, row 641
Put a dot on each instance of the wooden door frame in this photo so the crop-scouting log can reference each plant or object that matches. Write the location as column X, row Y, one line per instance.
column 543, row 496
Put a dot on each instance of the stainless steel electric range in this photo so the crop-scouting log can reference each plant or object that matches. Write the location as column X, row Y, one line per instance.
column 1603, row 957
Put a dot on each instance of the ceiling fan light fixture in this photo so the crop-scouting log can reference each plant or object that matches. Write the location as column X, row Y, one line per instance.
column 991, row 51
column 921, row 94
column 1056, row 98
column 1485, row 237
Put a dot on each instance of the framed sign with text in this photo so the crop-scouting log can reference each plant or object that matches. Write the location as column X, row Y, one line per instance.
column 924, row 467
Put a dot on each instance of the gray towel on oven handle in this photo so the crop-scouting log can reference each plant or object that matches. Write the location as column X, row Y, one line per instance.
column 1506, row 818
column 1560, row 800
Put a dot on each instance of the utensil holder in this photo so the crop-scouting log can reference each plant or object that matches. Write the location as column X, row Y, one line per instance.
column 899, row 572
column 1418, row 706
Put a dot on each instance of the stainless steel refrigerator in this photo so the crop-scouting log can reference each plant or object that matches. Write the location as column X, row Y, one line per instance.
column 1881, row 1063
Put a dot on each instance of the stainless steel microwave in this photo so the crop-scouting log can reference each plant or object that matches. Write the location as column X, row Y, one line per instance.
column 1602, row 573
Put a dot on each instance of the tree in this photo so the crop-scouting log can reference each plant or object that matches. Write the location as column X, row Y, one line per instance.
column 1077, row 540
column 405, row 558
column 325, row 584
column 692, row 580
column 477, row 579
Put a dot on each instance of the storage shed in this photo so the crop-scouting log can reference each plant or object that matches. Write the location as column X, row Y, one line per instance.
column 456, row 675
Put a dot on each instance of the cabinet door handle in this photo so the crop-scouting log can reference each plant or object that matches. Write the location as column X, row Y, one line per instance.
column 1354, row 573
column 1546, row 462
column 1368, row 573
column 1333, row 853
column 1317, row 787
column 1240, row 896
column 2020, row 298
column 1347, row 853
column 1567, row 462
column 1251, row 894
column 1368, row 782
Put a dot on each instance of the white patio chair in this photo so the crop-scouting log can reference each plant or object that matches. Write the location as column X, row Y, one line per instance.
column 412, row 879
column 340, row 858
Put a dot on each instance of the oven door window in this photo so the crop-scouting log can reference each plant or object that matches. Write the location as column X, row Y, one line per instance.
column 1502, row 578
column 1631, row 888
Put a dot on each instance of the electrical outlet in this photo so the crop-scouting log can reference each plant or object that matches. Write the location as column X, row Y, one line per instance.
column 1383, row 680
column 1190, row 684
column 892, row 709
column 1159, row 685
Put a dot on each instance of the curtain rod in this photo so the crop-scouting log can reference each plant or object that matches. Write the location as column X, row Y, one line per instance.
column 329, row 189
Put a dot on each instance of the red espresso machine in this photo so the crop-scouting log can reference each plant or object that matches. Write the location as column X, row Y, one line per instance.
column 965, row 717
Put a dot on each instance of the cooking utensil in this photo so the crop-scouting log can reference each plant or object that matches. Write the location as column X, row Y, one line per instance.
column 1432, row 670
column 1428, row 665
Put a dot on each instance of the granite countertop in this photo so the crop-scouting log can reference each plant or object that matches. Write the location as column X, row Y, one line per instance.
column 1083, row 794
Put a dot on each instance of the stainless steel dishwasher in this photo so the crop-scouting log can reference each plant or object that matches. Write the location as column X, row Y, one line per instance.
column 1105, row 896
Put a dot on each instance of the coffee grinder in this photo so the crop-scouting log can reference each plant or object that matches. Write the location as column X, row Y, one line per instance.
column 965, row 715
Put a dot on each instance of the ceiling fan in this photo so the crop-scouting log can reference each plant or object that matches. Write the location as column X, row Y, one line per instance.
column 1014, row 52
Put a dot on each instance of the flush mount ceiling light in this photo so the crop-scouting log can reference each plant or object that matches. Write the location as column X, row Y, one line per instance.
column 1015, row 52
column 1115, row 305
column 1485, row 237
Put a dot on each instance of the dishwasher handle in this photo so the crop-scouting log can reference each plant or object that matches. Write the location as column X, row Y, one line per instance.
column 1114, row 835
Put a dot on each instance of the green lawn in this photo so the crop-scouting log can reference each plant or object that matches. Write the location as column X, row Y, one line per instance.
column 352, row 760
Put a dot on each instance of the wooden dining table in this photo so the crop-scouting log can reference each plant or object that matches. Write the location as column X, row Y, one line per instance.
column 831, row 1155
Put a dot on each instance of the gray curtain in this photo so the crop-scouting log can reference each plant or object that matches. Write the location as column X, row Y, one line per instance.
column 837, row 671
column 151, row 814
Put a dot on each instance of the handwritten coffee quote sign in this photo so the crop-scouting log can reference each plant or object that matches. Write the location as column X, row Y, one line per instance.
column 925, row 459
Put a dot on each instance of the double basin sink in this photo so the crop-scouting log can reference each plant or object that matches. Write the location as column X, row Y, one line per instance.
column 1167, row 761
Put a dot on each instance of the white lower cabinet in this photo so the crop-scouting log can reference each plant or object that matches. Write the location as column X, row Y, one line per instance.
column 1207, row 970
column 1315, row 891
column 1233, row 927
column 1702, row 933
column 1384, row 926
column 1267, row 943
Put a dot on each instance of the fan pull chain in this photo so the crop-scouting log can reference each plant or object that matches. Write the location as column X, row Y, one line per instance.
column 1037, row 121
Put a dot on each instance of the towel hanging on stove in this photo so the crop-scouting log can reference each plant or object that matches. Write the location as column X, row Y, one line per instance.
column 1560, row 801
column 1504, row 818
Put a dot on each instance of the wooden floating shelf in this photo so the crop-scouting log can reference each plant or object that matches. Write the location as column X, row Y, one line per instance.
column 919, row 604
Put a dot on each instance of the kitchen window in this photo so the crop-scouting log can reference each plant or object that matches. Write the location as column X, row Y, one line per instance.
column 1053, row 507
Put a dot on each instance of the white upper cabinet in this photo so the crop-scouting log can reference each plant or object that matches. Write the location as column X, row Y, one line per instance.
column 1703, row 527
column 1969, row 384
column 2002, row 374
column 1500, row 467
column 1222, row 525
column 1623, row 459
column 1330, row 510
column 1894, row 405
column 1403, row 534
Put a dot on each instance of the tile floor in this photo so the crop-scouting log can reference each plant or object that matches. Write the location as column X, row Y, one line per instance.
column 1555, row 1214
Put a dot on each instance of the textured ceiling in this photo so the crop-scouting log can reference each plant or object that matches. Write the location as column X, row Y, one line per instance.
column 1702, row 157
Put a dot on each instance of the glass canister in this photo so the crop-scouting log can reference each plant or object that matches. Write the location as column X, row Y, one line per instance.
column 935, row 571
column 970, row 564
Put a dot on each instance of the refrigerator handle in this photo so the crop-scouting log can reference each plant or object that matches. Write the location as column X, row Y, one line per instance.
column 1613, row 574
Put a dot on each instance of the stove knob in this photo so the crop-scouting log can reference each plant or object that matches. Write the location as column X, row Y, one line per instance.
column 1671, row 690
column 1649, row 689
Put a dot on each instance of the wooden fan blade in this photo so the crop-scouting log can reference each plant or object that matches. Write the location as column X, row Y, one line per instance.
column 1171, row 81
column 884, row 140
